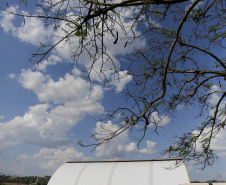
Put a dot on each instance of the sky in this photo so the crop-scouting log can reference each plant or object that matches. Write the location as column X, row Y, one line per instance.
column 45, row 111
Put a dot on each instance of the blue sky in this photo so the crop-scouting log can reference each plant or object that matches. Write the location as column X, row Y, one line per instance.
column 43, row 112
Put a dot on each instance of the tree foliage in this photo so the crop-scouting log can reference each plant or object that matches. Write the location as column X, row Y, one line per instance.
column 181, row 58
column 23, row 180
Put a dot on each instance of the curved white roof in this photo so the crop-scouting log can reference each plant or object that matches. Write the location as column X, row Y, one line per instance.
column 120, row 173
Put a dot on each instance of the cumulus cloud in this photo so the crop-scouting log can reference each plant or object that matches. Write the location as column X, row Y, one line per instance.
column 55, row 157
column 104, row 67
column 35, row 32
column 7, row 20
column 132, row 148
column 122, row 79
column 31, row 127
column 52, row 60
column 218, row 143
column 65, row 103
column 12, row 76
column 214, row 97
column 120, row 146
column 196, row 7
column 31, row 30
column 44, row 162
column 158, row 120
column 150, row 148
column 63, row 4
column 115, row 148
column 67, row 89
column 112, row 49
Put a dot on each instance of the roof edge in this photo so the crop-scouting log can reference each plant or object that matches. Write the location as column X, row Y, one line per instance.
column 125, row 161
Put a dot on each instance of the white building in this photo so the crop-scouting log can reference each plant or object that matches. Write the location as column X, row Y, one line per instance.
column 143, row 172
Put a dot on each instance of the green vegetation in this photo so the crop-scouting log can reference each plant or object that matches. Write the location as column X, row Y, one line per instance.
column 31, row 180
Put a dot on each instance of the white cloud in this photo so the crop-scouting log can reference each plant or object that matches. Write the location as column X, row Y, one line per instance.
column 218, row 143
column 49, row 158
column 120, row 146
column 121, row 80
column 214, row 97
column 131, row 147
column 35, row 32
column 12, row 76
column 150, row 148
column 2, row 117
column 158, row 120
column 112, row 49
column 47, row 124
column 32, row 80
column 52, row 60
column 65, row 101
column 199, row 4
column 149, row 23
column 102, row 70
column 32, row 30
column 222, row 154
column 63, row 4
column 30, row 128
column 7, row 20
column 179, row 107
column 196, row 7
column 44, row 162
column 68, row 89
column 114, row 149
